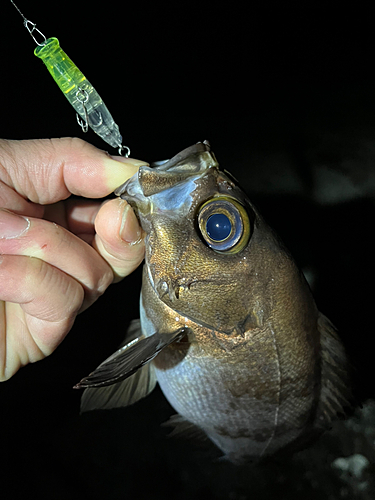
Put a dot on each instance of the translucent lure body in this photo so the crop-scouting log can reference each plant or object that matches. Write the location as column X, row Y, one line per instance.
column 79, row 91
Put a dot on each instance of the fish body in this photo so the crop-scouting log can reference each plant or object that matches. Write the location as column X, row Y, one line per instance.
column 228, row 325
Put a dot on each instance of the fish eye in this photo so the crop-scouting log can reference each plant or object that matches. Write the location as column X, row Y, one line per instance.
column 224, row 224
column 218, row 227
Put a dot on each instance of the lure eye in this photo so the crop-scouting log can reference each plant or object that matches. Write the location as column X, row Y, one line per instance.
column 224, row 224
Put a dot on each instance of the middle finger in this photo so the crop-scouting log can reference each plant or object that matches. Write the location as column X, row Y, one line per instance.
column 60, row 248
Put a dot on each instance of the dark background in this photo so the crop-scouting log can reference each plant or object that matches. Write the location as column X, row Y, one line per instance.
column 285, row 95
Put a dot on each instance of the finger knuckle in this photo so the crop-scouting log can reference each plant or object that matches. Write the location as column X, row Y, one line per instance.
column 104, row 281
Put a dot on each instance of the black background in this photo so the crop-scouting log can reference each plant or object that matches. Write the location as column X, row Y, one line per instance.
column 285, row 95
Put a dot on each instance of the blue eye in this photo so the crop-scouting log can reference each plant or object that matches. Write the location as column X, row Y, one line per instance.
column 218, row 227
column 224, row 224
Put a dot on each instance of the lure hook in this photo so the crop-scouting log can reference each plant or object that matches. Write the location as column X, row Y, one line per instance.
column 83, row 97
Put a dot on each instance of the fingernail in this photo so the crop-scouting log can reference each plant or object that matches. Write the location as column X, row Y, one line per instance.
column 129, row 161
column 12, row 225
column 119, row 171
column 130, row 230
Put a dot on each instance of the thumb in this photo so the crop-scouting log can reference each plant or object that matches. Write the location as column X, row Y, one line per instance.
column 119, row 237
column 49, row 170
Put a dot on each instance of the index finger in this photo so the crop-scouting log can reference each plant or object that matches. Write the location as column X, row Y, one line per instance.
column 49, row 170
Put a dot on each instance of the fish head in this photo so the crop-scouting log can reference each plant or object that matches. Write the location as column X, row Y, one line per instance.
column 210, row 256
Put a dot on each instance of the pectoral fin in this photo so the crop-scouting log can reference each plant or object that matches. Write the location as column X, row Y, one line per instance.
column 128, row 359
column 121, row 394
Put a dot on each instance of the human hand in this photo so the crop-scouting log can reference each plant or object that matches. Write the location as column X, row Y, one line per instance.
column 57, row 257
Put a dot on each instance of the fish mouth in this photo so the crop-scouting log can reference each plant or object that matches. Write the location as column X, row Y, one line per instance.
column 163, row 175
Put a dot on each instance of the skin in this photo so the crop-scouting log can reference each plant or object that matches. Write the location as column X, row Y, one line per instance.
column 58, row 254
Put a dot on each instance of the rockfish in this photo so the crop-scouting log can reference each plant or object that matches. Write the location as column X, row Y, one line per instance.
column 228, row 325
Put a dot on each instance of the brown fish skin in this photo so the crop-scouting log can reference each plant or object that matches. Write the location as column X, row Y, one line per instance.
column 260, row 367
column 250, row 374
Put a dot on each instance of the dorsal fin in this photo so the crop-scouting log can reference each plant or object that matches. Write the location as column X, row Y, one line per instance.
column 335, row 394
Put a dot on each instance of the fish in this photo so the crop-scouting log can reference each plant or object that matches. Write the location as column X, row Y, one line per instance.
column 228, row 325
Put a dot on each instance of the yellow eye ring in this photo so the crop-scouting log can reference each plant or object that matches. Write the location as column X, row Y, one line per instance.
column 224, row 224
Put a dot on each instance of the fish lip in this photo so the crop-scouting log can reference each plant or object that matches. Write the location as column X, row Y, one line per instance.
column 131, row 190
column 165, row 174
column 182, row 156
column 121, row 189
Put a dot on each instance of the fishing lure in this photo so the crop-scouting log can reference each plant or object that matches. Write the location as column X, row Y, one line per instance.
column 90, row 108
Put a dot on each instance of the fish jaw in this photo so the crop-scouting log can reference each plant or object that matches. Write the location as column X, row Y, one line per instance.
column 167, row 185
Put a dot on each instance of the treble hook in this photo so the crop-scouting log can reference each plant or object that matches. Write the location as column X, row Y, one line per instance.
column 83, row 97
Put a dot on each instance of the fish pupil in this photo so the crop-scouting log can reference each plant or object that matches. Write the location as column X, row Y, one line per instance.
column 218, row 227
